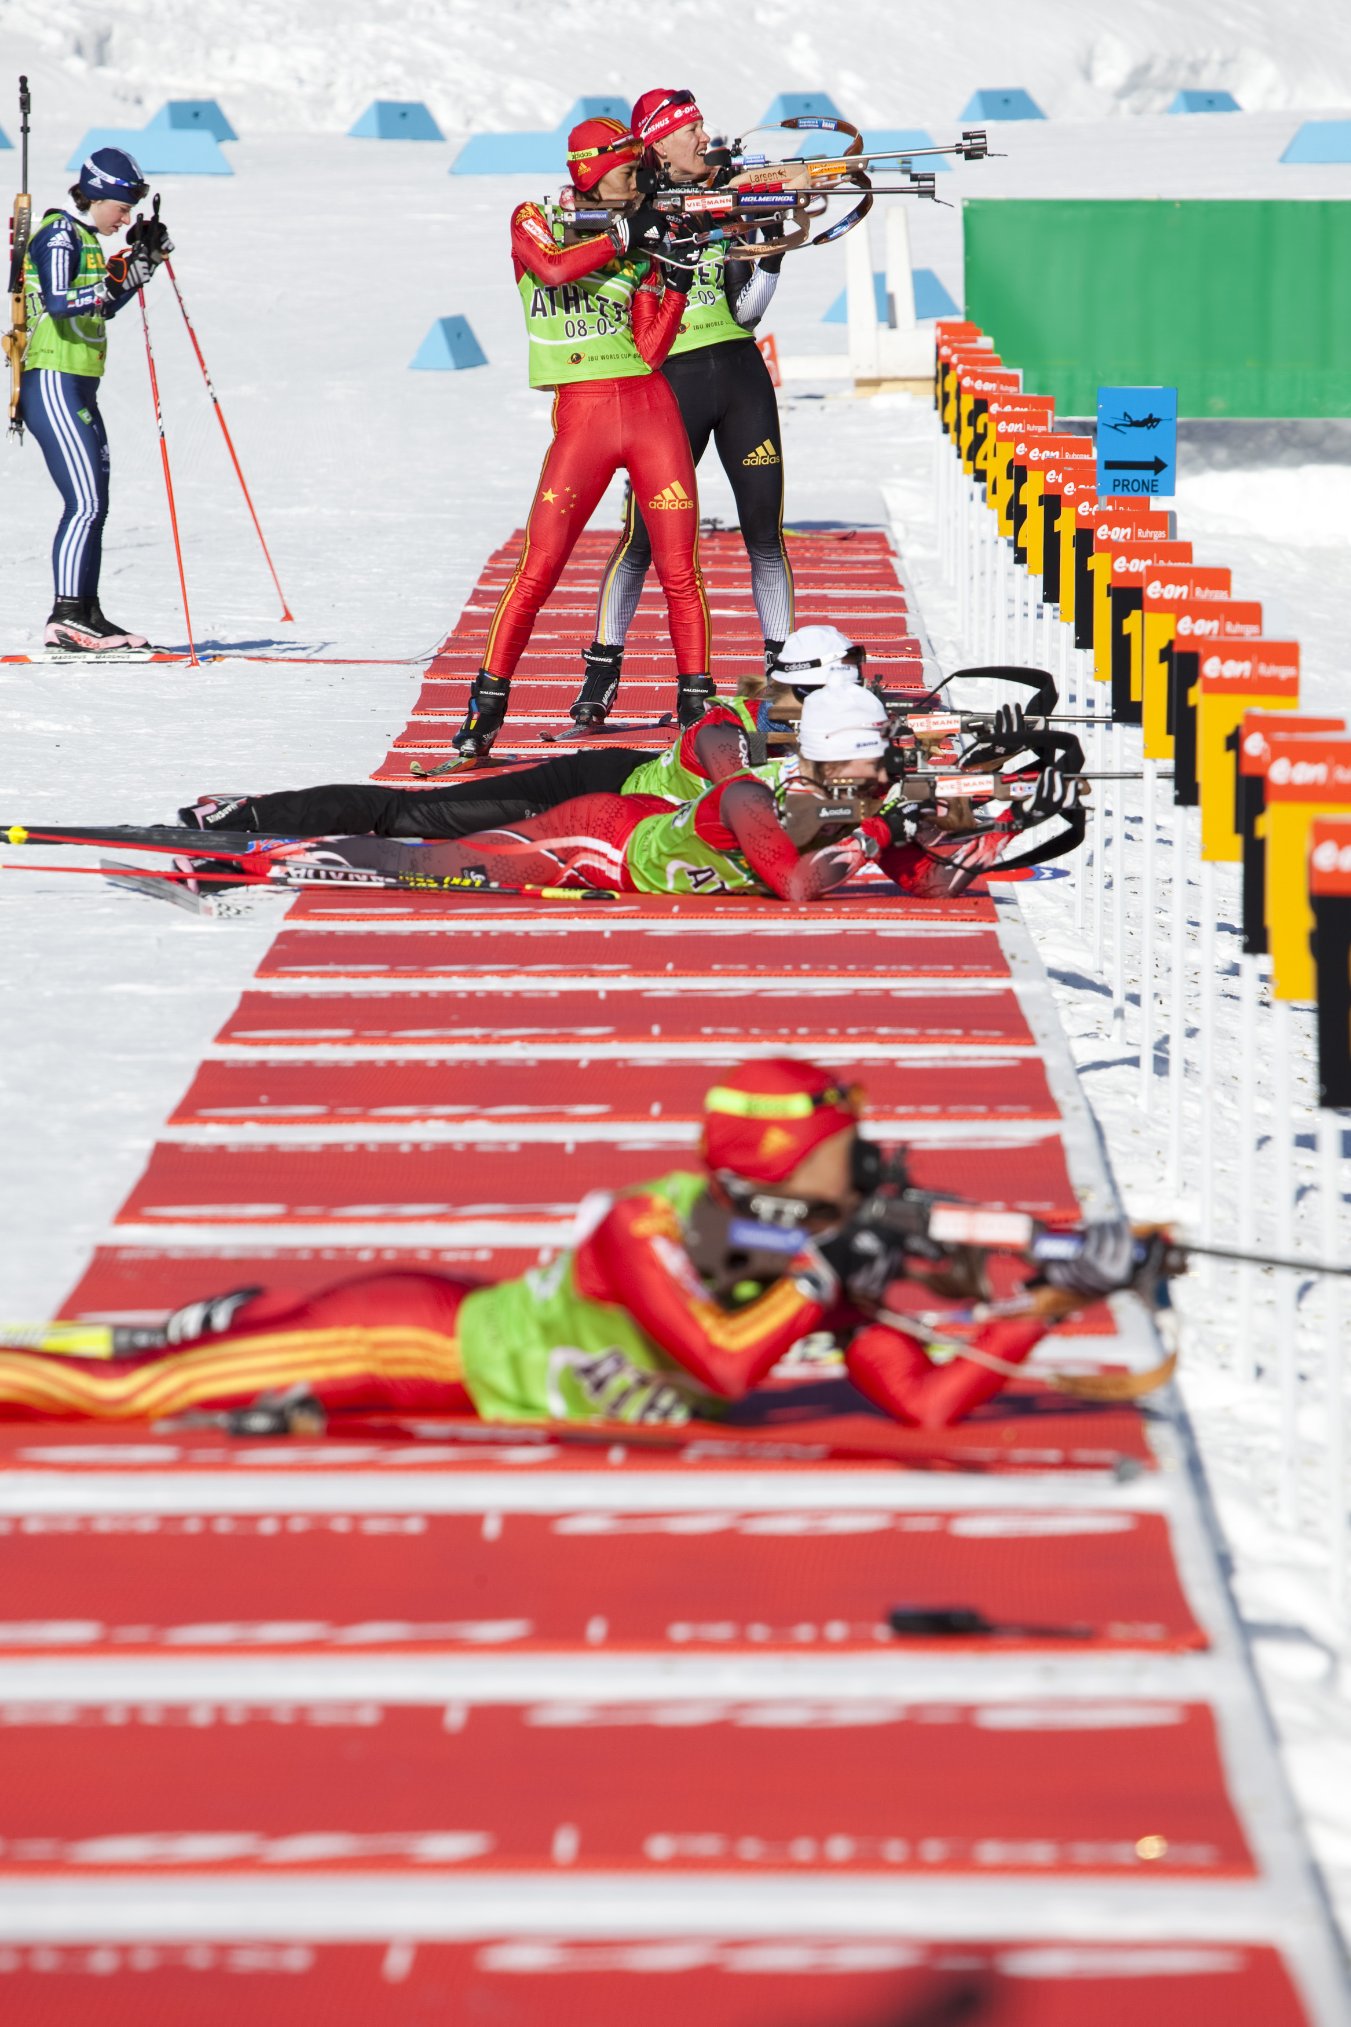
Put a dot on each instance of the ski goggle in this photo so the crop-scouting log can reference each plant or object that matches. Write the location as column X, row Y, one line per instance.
column 622, row 146
column 851, row 657
column 658, row 123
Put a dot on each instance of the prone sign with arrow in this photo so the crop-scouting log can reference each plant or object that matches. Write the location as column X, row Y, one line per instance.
column 1131, row 420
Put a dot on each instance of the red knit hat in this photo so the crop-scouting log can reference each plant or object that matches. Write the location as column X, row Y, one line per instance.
column 597, row 146
column 763, row 1118
column 658, row 113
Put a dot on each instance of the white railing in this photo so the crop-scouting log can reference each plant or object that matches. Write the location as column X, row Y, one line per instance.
column 1214, row 1115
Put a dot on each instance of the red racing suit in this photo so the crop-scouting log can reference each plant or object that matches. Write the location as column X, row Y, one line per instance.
column 390, row 1342
column 601, row 427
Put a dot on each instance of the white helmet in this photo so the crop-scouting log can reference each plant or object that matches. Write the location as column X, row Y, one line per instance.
column 812, row 655
column 843, row 721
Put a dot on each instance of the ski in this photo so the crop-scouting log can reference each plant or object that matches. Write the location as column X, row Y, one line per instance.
column 574, row 735
column 85, row 658
column 176, row 888
column 456, row 763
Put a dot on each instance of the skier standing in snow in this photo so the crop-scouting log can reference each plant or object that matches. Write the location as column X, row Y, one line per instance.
column 72, row 292
column 600, row 316
column 722, row 384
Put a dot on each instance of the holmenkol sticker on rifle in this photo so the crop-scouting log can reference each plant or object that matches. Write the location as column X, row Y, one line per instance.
column 1250, row 742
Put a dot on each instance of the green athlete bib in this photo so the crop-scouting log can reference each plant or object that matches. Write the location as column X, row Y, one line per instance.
column 666, row 855
column 534, row 1349
column 582, row 330
column 67, row 344
column 707, row 318
column 668, row 775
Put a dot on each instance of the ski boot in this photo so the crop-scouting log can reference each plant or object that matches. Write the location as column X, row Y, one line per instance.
column 692, row 699
column 69, row 629
column 113, row 636
column 595, row 700
column 754, row 683
column 488, row 700
column 294, row 1412
column 219, row 813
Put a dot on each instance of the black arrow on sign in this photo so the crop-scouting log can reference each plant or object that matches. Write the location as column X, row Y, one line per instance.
column 1126, row 464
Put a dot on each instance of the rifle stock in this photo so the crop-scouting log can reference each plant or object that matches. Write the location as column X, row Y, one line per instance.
column 15, row 340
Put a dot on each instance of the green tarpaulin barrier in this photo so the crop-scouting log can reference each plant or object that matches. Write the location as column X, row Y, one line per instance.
column 1244, row 307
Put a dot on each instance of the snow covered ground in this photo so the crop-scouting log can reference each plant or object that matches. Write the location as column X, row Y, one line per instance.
column 312, row 276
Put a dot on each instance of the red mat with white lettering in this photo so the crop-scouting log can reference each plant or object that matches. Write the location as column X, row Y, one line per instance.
column 954, row 1017
column 638, row 951
column 1124, row 1787
column 432, row 1180
column 804, row 1582
column 598, row 1092
column 536, row 1980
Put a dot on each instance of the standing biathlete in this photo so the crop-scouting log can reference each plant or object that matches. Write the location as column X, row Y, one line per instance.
column 715, row 369
column 676, row 1297
column 71, row 293
column 600, row 319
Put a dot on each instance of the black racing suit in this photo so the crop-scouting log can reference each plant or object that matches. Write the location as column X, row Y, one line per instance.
column 725, row 392
column 343, row 808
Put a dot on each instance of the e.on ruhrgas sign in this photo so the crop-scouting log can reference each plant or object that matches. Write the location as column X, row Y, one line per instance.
column 1330, row 856
column 1308, row 776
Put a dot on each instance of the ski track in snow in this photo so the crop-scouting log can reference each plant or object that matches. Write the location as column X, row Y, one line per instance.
column 312, row 275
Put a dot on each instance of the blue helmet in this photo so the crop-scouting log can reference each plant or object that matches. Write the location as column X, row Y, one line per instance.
column 111, row 173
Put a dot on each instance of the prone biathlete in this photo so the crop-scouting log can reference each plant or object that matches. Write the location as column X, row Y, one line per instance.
column 600, row 316
column 737, row 837
column 72, row 292
column 734, row 733
column 715, row 369
column 722, row 742
column 676, row 1298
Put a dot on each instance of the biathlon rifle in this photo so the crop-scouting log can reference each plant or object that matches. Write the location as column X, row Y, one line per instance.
column 15, row 340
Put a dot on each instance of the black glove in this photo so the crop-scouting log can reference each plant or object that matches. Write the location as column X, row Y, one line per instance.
column 900, row 822
column 1009, row 727
column 1108, row 1256
column 131, row 269
column 153, row 235
column 1056, row 794
column 684, row 251
column 638, row 231
column 867, row 1260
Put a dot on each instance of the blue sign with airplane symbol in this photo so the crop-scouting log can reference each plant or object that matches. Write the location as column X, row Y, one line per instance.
column 1137, row 441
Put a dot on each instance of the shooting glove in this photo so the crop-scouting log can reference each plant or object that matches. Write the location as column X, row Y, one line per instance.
column 130, row 269
column 1109, row 1256
column 684, row 249
column 865, row 1259
column 1056, row 794
column 637, row 231
column 893, row 825
column 153, row 235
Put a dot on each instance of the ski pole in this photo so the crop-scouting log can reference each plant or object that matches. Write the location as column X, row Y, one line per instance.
column 168, row 476
column 286, row 611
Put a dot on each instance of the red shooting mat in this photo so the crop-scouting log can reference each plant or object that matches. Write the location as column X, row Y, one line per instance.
column 1122, row 1788
column 429, row 1181
column 881, row 907
column 608, row 1092
column 531, row 1980
column 778, row 952
column 780, row 1429
column 726, row 1582
column 946, row 1016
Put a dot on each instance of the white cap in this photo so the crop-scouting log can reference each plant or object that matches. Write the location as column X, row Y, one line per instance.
column 813, row 654
column 843, row 721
